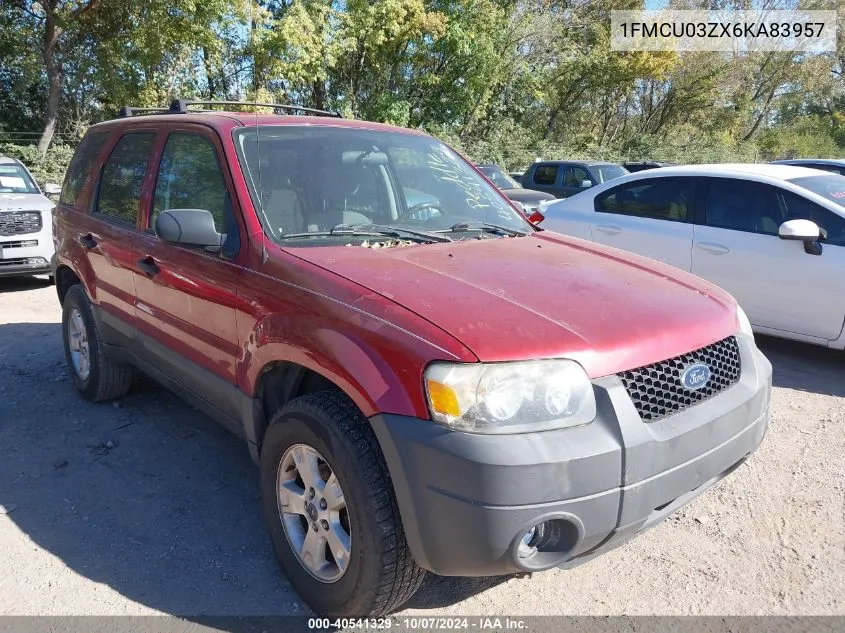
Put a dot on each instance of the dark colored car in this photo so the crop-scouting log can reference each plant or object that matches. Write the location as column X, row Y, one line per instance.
column 528, row 199
column 643, row 165
column 825, row 164
column 427, row 385
column 563, row 178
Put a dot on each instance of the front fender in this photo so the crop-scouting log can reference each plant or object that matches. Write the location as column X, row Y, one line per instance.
column 379, row 375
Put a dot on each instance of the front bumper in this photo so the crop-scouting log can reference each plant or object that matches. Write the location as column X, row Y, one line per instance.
column 28, row 253
column 466, row 500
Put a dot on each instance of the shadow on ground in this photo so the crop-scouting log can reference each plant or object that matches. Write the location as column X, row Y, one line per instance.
column 146, row 496
column 805, row 367
column 18, row 284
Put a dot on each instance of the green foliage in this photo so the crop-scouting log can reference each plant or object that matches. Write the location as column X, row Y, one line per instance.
column 50, row 168
column 503, row 81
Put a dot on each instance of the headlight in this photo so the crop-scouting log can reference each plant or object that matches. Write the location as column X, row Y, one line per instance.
column 744, row 323
column 510, row 397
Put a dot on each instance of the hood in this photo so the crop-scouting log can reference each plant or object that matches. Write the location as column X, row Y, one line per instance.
column 527, row 195
column 544, row 296
column 25, row 201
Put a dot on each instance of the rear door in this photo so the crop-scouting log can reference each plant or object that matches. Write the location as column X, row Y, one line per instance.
column 109, row 236
column 186, row 296
column 651, row 217
column 781, row 287
column 544, row 177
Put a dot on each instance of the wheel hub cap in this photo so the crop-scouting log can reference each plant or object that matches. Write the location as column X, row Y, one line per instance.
column 77, row 336
column 313, row 512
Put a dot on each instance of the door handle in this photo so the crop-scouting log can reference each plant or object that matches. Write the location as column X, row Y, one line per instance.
column 609, row 229
column 88, row 241
column 710, row 247
column 148, row 266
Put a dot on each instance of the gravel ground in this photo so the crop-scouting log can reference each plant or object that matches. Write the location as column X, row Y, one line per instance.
column 145, row 506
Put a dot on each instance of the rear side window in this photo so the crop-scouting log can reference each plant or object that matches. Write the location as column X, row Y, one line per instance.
column 546, row 174
column 119, row 193
column 80, row 167
column 658, row 199
column 743, row 205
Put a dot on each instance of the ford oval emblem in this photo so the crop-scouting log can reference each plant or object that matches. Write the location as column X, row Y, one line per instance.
column 695, row 376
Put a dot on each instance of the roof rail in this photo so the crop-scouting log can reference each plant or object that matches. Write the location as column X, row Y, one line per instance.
column 127, row 111
column 180, row 106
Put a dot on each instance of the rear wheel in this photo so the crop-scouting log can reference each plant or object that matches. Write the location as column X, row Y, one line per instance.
column 331, row 511
column 94, row 374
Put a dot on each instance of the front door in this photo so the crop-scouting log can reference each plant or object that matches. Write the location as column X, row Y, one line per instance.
column 187, row 296
column 780, row 286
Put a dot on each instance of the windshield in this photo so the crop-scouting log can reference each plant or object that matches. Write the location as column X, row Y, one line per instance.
column 831, row 187
column 609, row 172
column 15, row 179
column 309, row 180
column 499, row 178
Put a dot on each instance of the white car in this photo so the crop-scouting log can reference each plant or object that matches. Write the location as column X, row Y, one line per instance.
column 772, row 235
column 26, row 222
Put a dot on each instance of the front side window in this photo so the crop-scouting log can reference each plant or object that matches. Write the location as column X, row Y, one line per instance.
column 742, row 205
column 545, row 174
column 658, row 199
column 80, row 166
column 575, row 176
column 119, row 192
column 15, row 179
column 307, row 180
column 189, row 177
column 832, row 226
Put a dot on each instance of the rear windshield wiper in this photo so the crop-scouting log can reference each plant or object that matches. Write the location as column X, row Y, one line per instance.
column 484, row 226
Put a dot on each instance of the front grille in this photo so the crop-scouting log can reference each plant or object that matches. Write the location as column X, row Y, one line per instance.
column 657, row 391
column 19, row 222
column 19, row 244
column 18, row 261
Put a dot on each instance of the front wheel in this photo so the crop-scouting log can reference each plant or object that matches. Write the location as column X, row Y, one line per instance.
column 331, row 511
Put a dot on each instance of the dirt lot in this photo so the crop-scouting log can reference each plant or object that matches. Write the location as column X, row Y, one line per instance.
column 146, row 506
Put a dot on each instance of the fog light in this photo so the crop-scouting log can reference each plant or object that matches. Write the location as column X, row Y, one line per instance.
column 36, row 261
column 528, row 544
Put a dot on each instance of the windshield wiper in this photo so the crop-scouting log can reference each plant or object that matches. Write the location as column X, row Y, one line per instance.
column 484, row 226
column 373, row 230
column 399, row 231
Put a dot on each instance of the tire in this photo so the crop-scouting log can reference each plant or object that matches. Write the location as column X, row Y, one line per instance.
column 105, row 379
column 380, row 574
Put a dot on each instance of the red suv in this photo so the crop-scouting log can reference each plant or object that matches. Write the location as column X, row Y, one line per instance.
column 426, row 380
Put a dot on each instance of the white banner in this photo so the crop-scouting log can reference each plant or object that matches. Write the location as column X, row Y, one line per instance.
column 724, row 30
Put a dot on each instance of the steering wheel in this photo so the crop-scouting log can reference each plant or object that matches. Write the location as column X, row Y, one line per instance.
column 413, row 212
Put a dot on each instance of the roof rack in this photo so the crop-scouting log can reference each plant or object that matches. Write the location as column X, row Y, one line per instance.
column 127, row 111
column 180, row 106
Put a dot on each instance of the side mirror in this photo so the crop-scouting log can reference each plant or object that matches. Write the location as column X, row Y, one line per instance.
column 585, row 184
column 805, row 231
column 52, row 189
column 192, row 227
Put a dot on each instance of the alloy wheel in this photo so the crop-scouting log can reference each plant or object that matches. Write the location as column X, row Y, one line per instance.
column 313, row 512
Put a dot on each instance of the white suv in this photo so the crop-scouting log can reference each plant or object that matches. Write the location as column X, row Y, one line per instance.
column 26, row 222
